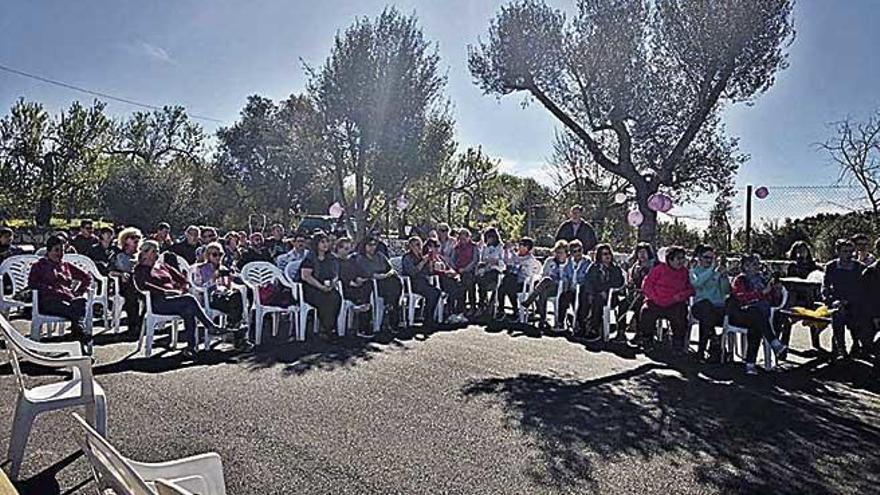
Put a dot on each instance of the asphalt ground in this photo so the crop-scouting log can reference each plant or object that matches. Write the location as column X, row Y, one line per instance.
column 474, row 410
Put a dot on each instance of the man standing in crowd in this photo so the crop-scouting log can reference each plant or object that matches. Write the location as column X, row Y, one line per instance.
column 840, row 289
column 186, row 247
column 276, row 245
column 576, row 228
column 85, row 238
column 863, row 246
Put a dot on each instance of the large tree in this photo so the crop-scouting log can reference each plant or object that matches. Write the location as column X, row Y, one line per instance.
column 45, row 161
column 384, row 118
column 855, row 149
column 641, row 83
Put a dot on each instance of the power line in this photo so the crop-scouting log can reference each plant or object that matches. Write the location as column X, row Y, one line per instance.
column 98, row 93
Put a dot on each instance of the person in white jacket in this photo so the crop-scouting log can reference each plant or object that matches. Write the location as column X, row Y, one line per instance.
column 553, row 272
column 520, row 267
column 491, row 265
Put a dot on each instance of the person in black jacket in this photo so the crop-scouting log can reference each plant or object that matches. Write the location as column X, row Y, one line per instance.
column 869, row 308
column 840, row 289
column 104, row 251
column 576, row 228
column 186, row 247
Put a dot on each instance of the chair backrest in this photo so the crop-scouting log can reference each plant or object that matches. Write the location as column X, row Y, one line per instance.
column 166, row 487
column 108, row 465
column 182, row 264
column 84, row 263
column 13, row 347
column 260, row 273
column 18, row 268
column 291, row 270
column 397, row 263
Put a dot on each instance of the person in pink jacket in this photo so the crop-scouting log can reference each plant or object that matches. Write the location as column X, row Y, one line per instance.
column 667, row 289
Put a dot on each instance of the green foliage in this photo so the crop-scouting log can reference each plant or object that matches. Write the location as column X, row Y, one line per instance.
column 641, row 84
column 677, row 234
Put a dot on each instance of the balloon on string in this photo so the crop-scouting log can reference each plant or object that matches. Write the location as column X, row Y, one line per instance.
column 402, row 203
column 336, row 210
column 655, row 202
column 635, row 218
column 667, row 203
column 762, row 192
column 620, row 198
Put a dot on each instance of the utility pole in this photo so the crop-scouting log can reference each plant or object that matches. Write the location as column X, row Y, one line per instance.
column 748, row 218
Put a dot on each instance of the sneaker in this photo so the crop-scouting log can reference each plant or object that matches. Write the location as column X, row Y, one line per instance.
column 751, row 369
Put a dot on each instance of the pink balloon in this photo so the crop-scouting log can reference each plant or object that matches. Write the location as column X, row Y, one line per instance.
column 655, row 202
column 336, row 210
column 762, row 192
column 667, row 204
column 635, row 218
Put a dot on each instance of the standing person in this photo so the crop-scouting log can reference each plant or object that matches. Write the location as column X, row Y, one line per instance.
column 491, row 266
column 840, row 289
column 602, row 276
column 863, row 246
column 711, row 287
column 163, row 236
column 552, row 273
column 450, row 281
column 750, row 306
column 256, row 251
column 576, row 228
column 521, row 266
column 319, row 272
column 801, row 266
column 186, row 247
column 85, row 238
column 356, row 286
column 869, row 309
column 103, row 251
column 61, row 288
column 376, row 266
column 123, row 269
column 417, row 266
column 447, row 242
column 667, row 289
column 465, row 258
column 168, row 291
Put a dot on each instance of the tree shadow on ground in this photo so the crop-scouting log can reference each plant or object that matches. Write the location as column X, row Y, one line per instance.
column 799, row 436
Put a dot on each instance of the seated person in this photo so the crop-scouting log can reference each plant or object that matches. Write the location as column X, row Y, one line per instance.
column 521, row 266
column 6, row 247
column 356, row 286
column 186, row 247
column 417, row 266
column 552, row 273
column 275, row 244
column 319, row 272
column 644, row 260
column 168, row 291
column 85, row 238
column 103, row 251
column 61, row 287
column 216, row 279
column 711, row 288
column 576, row 272
column 667, row 289
column 256, row 251
column 377, row 267
column 840, row 290
column 863, row 245
column 296, row 254
column 465, row 258
column 491, row 266
column 123, row 269
column 163, row 236
column 207, row 235
column 231, row 250
column 869, row 310
column 603, row 275
column 753, row 294
column 801, row 266
column 450, row 281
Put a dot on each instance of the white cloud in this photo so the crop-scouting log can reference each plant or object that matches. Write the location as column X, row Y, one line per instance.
column 151, row 51
column 535, row 170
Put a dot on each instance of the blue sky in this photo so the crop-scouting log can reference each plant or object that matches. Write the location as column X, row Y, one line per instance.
column 209, row 55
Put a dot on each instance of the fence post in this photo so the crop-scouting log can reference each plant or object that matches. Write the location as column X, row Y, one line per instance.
column 748, row 219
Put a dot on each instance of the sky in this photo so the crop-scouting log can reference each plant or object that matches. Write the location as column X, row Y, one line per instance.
column 209, row 55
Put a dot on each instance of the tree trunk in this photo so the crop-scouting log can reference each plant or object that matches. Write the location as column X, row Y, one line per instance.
column 360, row 214
column 648, row 228
column 45, row 204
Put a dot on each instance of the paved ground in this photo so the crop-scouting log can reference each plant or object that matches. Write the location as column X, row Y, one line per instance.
column 476, row 411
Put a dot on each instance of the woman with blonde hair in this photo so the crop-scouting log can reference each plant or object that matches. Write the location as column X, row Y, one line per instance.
column 122, row 269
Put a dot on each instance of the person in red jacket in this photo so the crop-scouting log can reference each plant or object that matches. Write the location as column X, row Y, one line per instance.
column 666, row 289
column 753, row 292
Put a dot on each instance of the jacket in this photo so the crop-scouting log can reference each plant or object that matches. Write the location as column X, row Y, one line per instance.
column 709, row 285
column 664, row 286
column 585, row 234
column 600, row 279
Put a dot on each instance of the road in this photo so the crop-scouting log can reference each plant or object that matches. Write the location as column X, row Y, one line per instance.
column 474, row 410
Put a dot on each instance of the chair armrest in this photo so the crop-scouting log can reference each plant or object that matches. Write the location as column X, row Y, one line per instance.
column 207, row 466
column 71, row 349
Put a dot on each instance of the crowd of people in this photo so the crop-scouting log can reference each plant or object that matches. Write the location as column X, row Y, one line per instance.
column 477, row 276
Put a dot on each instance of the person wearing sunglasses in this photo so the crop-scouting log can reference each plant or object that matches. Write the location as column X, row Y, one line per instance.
column 127, row 242
column 447, row 242
column 667, row 289
column 85, row 238
column 376, row 266
column 712, row 286
column 418, row 267
column 753, row 293
column 224, row 296
column 552, row 273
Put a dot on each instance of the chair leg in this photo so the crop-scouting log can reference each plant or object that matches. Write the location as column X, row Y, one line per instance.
column 35, row 328
column 21, row 429
column 258, row 327
column 274, row 324
column 149, row 329
column 97, row 414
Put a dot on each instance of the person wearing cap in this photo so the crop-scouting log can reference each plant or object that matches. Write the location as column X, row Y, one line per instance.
column 576, row 228
column 61, row 287
column 85, row 238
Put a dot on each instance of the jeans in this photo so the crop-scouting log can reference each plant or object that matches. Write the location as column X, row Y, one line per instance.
column 390, row 290
column 431, row 295
column 840, row 320
column 187, row 308
column 229, row 303
column 756, row 318
column 486, row 283
column 510, row 286
column 709, row 316
column 455, row 290
column 73, row 310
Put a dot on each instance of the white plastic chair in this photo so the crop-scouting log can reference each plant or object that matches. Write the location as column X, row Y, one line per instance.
column 610, row 312
column 412, row 301
column 555, row 301
column 80, row 390
column 735, row 337
column 527, row 287
column 102, row 288
column 153, row 320
column 255, row 275
column 17, row 268
column 201, row 474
